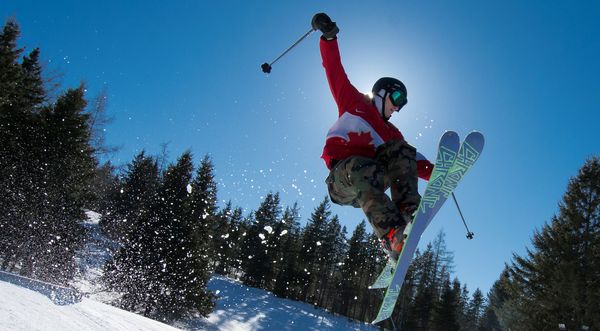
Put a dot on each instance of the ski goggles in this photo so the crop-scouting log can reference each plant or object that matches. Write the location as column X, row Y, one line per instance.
column 398, row 98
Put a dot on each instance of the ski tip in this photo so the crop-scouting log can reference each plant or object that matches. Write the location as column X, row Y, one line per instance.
column 450, row 133
column 476, row 139
column 475, row 133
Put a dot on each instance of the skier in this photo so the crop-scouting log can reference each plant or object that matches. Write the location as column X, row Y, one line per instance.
column 365, row 153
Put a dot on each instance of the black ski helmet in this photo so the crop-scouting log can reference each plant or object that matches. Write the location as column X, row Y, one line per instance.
column 388, row 84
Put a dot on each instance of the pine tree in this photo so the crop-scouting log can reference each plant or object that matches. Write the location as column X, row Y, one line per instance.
column 46, row 166
column 221, row 240
column 425, row 295
column 10, row 71
column 69, row 167
column 183, row 250
column 131, row 201
column 258, row 266
column 444, row 315
column 288, row 275
column 203, row 208
column 443, row 262
column 475, row 310
column 132, row 223
column 16, row 159
column 351, row 279
column 462, row 303
column 104, row 186
column 227, row 240
column 496, row 298
column 312, row 255
column 333, row 250
column 555, row 281
column 162, row 270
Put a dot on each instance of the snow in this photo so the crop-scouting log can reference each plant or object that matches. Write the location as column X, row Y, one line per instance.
column 27, row 304
column 92, row 217
column 239, row 308
column 24, row 309
column 242, row 308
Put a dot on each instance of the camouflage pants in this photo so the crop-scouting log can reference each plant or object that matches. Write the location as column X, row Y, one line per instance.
column 361, row 182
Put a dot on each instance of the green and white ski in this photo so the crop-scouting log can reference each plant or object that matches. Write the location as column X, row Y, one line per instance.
column 468, row 153
column 451, row 165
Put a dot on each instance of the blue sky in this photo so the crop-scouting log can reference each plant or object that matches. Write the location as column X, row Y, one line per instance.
column 187, row 73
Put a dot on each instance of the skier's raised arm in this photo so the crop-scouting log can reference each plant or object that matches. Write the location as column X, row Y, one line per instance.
column 344, row 93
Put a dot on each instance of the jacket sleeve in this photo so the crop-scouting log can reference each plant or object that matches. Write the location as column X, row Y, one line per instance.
column 424, row 167
column 344, row 93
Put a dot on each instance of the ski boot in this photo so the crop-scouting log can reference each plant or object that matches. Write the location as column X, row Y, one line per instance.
column 393, row 241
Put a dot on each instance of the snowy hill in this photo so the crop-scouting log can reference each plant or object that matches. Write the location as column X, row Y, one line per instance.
column 239, row 308
column 24, row 309
column 244, row 308
column 27, row 304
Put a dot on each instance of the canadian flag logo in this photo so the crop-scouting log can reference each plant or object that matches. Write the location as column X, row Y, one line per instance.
column 360, row 138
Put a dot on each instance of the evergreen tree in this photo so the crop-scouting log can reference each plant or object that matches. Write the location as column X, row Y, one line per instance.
column 104, row 186
column 182, row 248
column 475, row 310
column 221, row 240
column 425, row 295
column 227, row 240
column 10, row 70
column 444, row 315
column 162, row 270
column 443, row 262
column 556, row 281
column 463, row 298
column 351, row 278
column 46, row 166
column 132, row 200
column 68, row 168
column 289, row 274
column 258, row 266
column 132, row 222
column 312, row 254
column 496, row 299
column 204, row 193
column 203, row 208
column 332, row 250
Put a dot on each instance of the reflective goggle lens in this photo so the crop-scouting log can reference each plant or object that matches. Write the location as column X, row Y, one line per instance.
column 398, row 98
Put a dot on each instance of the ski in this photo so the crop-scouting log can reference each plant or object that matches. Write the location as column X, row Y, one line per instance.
column 385, row 277
column 448, row 149
column 468, row 153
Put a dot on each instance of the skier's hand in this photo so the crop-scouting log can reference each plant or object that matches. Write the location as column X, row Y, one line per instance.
column 323, row 23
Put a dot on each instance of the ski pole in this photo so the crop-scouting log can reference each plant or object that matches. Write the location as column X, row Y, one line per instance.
column 469, row 233
column 266, row 67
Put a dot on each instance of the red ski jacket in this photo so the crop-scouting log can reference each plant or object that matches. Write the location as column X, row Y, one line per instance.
column 360, row 128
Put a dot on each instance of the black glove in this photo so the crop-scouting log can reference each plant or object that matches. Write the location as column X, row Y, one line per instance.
column 322, row 22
